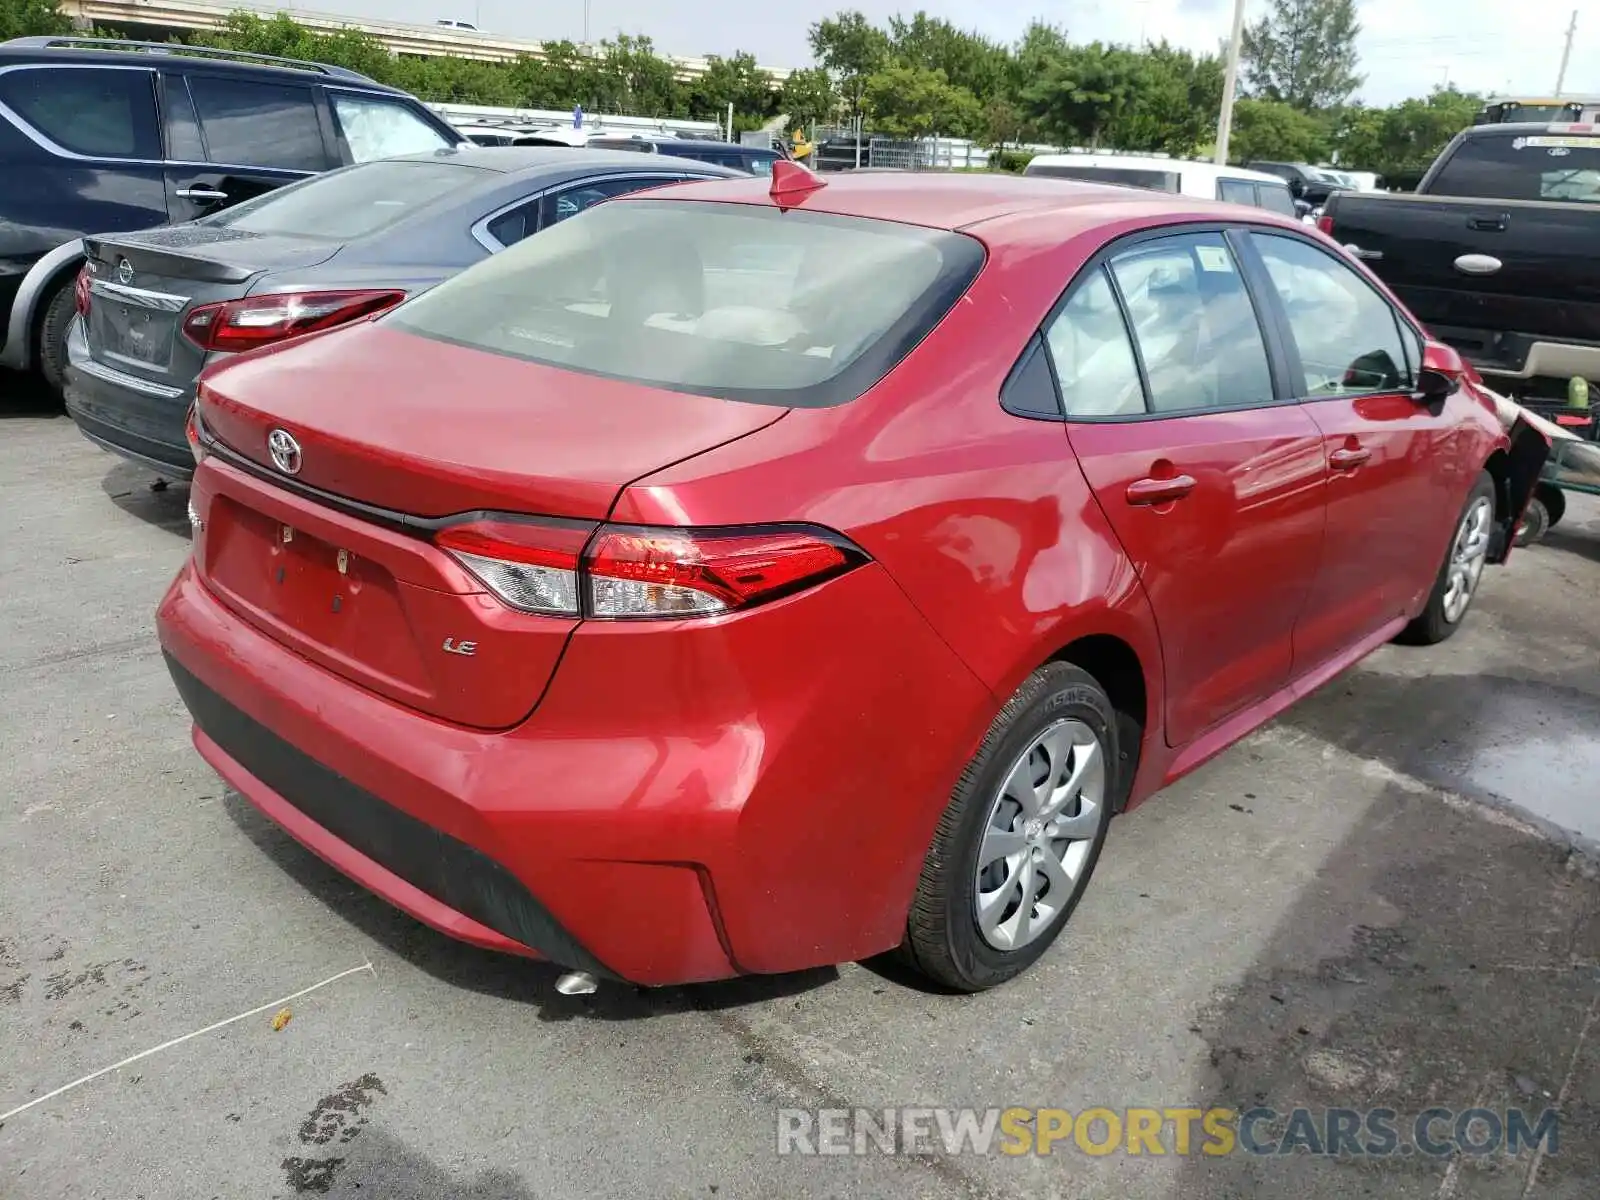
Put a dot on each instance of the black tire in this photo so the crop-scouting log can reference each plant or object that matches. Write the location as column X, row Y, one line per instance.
column 1434, row 624
column 1555, row 502
column 58, row 313
column 1536, row 522
column 943, row 940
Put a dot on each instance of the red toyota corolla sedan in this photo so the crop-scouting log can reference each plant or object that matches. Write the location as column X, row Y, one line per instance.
column 738, row 579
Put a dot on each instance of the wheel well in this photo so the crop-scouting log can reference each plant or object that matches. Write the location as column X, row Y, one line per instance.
column 1117, row 669
column 47, row 294
column 1499, row 468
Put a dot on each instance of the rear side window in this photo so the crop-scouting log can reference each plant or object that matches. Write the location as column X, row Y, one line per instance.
column 1092, row 355
column 738, row 301
column 1158, row 181
column 96, row 111
column 252, row 124
column 1197, row 330
column 351, row 203
column 1538, row 167
column 378, row 128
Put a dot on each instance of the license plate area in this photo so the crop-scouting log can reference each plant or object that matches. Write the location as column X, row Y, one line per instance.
column 130, row 334
column 318, row 597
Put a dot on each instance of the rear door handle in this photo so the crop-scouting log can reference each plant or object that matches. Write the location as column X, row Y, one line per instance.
column 1489, row 224
column 1368, row 255
column 201, row 193
column 1160, row 491
column 1348, row 459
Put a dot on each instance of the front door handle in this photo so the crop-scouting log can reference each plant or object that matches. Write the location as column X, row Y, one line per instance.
column 202, row 193
column 1348, row 459
column 1160, row 491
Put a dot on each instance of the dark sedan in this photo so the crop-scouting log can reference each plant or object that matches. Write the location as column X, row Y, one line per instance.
column 155, row 307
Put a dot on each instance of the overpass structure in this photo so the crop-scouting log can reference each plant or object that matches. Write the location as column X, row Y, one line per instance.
column 159, row 19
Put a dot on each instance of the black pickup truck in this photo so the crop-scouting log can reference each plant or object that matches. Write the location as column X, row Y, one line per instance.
column 1497, row 252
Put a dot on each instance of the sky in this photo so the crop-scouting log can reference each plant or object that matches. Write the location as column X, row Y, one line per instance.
column 1408, row 47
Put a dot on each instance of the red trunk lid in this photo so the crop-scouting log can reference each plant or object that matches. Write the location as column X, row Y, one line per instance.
column 426, row 429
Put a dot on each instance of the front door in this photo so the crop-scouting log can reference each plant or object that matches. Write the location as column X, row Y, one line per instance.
column 1214, row 487
column 1393, row 482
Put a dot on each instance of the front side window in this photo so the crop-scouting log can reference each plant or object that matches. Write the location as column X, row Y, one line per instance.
column 96, row 111
column 1092, row 355
column 1196, row 328
column 737, row 301
column 377, row 128
column 570, row 201
column 252, row 124
column 1347, row 334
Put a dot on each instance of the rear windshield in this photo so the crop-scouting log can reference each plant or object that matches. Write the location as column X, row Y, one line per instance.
column 743, row 302
column 348, row 204
column 1551, row 166
column 1159, row 181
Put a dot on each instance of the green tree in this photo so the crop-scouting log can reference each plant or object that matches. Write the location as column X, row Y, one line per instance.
column 1271, row 129
column 918, row 101
column 1175, row 109
column 633, row 78
column 1303, row 53
column 1087, row 94
column 853, row 50
column 968, row 60
column 808, row 96
column 737, row 81
column 32, row 18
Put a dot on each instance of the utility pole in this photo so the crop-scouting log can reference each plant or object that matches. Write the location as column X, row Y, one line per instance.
column 1566, row 54
column 1230, row 84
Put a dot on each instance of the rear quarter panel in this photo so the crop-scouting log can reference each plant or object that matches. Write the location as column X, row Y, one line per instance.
column 982, row 518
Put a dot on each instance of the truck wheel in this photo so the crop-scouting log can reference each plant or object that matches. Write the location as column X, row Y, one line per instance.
column 58, row 313
column 1555, row 502
column 1536, row 522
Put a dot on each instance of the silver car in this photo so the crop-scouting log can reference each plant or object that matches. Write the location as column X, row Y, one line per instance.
column 156, row 307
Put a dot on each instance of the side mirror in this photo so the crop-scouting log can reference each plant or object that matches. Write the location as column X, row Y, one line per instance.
column 1441, row 374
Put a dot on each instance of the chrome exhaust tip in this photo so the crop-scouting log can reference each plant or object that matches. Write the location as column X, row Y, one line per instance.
column 576, row 983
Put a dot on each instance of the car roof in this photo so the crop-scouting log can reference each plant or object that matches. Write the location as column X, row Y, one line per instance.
column 1139, row 162
column 39, row 51
column 506, row 159
column 959, row 201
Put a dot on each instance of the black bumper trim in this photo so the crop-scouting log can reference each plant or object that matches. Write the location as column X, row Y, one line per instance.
column 452, row 872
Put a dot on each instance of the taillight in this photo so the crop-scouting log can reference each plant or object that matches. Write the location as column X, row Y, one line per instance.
column 191, row 433
column 80, row 291
column 531, row 565
column 1325, row 223
column 632, row 572
column 235, row 325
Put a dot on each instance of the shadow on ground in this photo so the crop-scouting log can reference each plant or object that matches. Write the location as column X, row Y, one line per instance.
column 140, row 492
column 26, row 396
column 1440, row 959
column 503, row 976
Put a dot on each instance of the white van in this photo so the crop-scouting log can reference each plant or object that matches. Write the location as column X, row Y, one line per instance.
column 1180, row 176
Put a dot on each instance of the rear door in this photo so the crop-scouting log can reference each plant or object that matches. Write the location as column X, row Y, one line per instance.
column 1213, row 484
column 234, row 139
column 1394, row 488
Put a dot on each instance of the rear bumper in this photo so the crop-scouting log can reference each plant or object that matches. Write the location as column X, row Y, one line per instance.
column 674, row 813
column 129, row 416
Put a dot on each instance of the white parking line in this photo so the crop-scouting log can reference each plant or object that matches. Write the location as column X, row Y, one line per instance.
column 67, row 1087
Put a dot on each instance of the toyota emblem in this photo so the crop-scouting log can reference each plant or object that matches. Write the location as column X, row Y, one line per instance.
column 285, row 451
column 124, row 272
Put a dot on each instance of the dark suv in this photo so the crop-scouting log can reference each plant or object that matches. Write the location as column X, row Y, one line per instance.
column 1306, row 182
column 104, row 136
column 752, row 160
